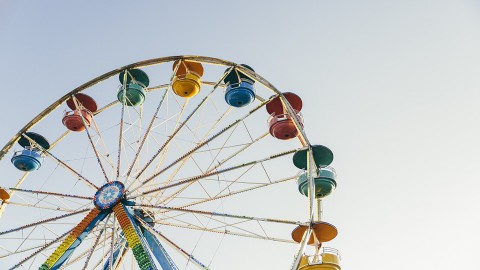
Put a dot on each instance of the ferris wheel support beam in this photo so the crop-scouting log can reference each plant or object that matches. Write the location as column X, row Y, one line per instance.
column 121, row 248
column 163, row 258
column 172, row 244
column 73, row 260
column 134, row 237
column 78, row 234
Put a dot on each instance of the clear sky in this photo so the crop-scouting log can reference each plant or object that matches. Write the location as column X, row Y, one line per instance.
column 392, row 87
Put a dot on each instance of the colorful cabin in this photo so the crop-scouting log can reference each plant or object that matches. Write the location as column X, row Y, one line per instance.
column 322, row 157
column 30, row 158
column 72, row 120
column 327, row 259
column 4, row 196
column 136, row 81
column 280, row 123
column 240, row 91
column 186, row 82
column 321, row 232
column 324, row 184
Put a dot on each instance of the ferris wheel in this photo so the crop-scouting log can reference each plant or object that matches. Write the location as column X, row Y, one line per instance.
column 156, row 164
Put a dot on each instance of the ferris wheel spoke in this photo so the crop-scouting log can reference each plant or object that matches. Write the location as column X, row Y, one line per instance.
column 102, row 141
column 176, row 193
column 44, row 221
column 10, row 253
column 233, row 124
column 40, row 207
column 51, row 193
column 125, row 99
column 225, row 232
column 120, row 136
column 165, row 146
column 44, row 247
column 179, row 127
column 63, row 164
column 198, row 177
column 222, row 224
column 27, row 199
column 220, row 163
column 282, row 221
column 218, row 196
column 147, row 132
column 80, row 107
column 246, row 146
column 172, row 176
column 112, row 244
column 176, row 247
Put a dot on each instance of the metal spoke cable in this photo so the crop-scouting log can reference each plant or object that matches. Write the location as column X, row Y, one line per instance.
column 70, row 169
column 218, row 196
column 147, row 132
column 178, row 128
column 41, row 249
column 163, row 148
column 44, row 221
column 185, row 160
column 282, row 221
column 51, row 193
column 81, row 108
column 97, row 239
column 120, row 136
column 198, row 177
column 225, row 232
column 199, row 146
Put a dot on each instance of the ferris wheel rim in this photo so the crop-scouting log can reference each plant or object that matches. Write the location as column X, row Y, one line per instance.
column 145, row 63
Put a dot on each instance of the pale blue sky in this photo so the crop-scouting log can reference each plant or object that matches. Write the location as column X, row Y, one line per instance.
column 391, row 86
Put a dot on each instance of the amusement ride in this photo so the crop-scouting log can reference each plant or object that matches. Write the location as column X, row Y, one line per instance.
column 132, row 169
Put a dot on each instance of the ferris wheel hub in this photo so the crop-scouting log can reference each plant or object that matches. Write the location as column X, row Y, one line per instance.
column 109, row 195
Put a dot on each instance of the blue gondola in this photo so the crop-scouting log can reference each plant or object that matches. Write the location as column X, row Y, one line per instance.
column 240, row 91
column 30, row 158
